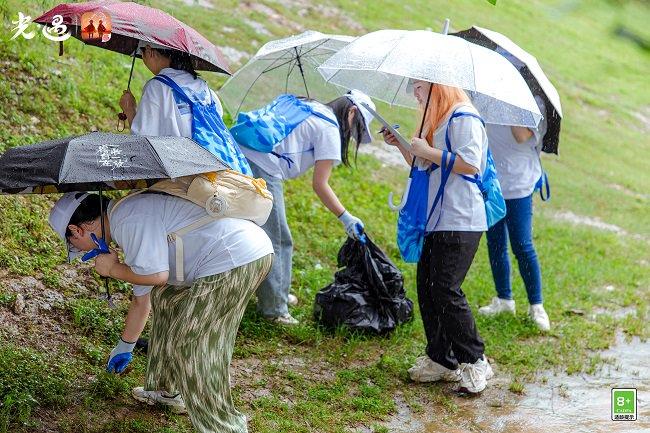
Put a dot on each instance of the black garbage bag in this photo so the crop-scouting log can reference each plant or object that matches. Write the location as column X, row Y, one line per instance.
column 367, row 294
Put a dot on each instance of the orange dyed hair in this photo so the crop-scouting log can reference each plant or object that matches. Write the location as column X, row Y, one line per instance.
column 443, row 99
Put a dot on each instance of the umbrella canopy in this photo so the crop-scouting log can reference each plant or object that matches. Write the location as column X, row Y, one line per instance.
column 531, row 71
column 132, row 23
column 101, row 161
column 381, row 64
column 283, row 66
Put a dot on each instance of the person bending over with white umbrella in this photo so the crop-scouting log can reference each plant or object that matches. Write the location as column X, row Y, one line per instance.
column 321, row 141
column 454, row 348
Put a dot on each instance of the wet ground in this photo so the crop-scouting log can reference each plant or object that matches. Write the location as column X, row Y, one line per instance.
column 556, row 403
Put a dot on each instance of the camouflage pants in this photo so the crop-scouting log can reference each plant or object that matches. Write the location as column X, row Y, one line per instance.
column 193, row 332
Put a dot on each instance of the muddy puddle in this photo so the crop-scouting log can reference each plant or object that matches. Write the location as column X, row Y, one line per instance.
column 556, row 403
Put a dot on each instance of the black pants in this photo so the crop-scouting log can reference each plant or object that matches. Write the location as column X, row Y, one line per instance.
column 452, row 337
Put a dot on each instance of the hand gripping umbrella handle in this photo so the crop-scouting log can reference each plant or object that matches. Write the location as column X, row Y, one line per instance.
column 402, row 203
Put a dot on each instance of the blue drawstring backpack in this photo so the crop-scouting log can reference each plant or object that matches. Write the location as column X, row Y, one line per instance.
column 413, row 218
column 264, row 128
column 209, row 131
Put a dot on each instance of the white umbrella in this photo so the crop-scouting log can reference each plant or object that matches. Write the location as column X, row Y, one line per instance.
column 532, row 72
column 283, row 66
column 381, row 63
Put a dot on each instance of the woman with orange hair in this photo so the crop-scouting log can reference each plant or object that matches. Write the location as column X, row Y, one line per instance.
column 449, row 123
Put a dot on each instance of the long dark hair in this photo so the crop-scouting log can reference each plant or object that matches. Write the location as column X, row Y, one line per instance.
column 179, row 60
column 87, row 212
column 341, row 106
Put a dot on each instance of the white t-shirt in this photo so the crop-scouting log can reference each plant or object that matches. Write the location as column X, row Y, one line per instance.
column 463, row 208
column 140, row 226
column 315, row 139
column 518, row 165
column 159, row 113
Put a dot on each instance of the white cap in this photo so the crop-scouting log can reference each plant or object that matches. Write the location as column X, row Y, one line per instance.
column 142, row 44
column 60, row 217
column 357, row 97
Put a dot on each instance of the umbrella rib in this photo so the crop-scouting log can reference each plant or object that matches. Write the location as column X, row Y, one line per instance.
column 286, row 83
column 397, row 92
column 63, row 162
column 155, row 152
column 273, row 67
column 248, row 91
column 252, row 84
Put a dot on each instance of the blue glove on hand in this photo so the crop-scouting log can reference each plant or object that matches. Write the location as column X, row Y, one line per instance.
column 353, row 226
column 120, row 357
column 102, row 248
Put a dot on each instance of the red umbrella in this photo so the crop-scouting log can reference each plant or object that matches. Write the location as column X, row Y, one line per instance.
column 132, row 23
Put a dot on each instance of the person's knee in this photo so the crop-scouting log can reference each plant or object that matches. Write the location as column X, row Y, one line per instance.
column 524, row 249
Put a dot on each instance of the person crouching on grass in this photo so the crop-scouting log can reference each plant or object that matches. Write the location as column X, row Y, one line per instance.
column 195, row 321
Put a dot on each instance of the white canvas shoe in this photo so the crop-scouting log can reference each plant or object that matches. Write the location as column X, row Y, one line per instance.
column 292, row 300
column 473, row 377
column 539, row 316
column 497, row 306
column 286, row 320
column 175, row 403
column 426, row 370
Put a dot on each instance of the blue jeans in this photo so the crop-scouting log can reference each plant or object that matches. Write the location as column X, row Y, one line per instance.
column 518, row 226
column 272, row 294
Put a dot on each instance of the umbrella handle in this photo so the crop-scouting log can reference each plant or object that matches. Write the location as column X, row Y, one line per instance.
column 402, row 203
column 121, row 121
column 445, row 27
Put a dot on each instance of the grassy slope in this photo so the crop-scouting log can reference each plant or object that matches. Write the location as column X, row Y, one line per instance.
column 303, row 379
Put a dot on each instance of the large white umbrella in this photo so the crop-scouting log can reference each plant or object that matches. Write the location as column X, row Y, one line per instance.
column 531, row 71
column 283, row 66
column 381, row 63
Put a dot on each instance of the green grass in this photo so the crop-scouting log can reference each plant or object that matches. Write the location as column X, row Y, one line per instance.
column 305, row 379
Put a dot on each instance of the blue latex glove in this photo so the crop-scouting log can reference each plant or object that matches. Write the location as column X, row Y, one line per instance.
column 102, row 248
column 120, row 357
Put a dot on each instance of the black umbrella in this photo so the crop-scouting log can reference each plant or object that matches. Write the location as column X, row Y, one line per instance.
column 101, row 161
column 532, row 73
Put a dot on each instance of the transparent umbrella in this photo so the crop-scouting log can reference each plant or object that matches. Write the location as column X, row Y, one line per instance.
column 382, row 62
column 283, row 66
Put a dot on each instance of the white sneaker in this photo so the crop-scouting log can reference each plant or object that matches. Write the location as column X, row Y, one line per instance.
column 485, row 367
column 292, row 300
column 497, row 306
column 472, row 377
column 426, row 370
column 175, row 403
column 539, row 316
column 286, row 320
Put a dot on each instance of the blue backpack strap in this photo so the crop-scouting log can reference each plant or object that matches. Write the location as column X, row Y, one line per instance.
column 476, row 178
column 446, row 166
column 281, row 156
column 455, row 115
column 543, row 184
column 171, row 83
column 324, row 117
